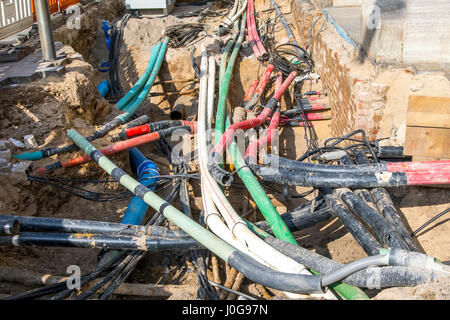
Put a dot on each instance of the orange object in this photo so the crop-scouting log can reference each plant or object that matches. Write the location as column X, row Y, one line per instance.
column 55, row 6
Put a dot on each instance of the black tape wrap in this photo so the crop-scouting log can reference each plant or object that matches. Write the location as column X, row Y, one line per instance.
column 156, row 126
column 119, row 137
column 138, row 122
column 272, row 103
column 297, row 283
column 48, row 152
column 222, row 176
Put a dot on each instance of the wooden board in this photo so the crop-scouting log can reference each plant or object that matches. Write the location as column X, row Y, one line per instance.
column 431, row 112
column 428, row 128
column 432, row 143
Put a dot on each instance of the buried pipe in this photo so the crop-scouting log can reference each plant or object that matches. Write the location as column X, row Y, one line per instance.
column 136, row 89
column 40, row 224
column 148, row 174
column 178, row 112
column 260, row 88
column 249, row 94
column 383, row 231
column 369, row 244
column 380, row 199
column 114, row 148
column 146, row 128
column 355, row 179
column 107, row 242
column 9, row 225
column 371, row 278
column 251, row 269
column 302, row 217
column 135, row 98
column 225, row 73
column 431, row 167
column 216, row 156
column 260, row 50
column 251, row 153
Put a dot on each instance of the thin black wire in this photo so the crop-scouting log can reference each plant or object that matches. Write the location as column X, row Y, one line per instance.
column 429, row 221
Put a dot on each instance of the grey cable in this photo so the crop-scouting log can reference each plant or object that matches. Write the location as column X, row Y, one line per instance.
column 352, row 267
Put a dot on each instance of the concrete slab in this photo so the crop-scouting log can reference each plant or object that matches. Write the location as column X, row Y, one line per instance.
column 32, row 67
column 346, row 3
column 347, row 21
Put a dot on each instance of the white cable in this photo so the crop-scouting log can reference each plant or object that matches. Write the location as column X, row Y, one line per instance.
column 230, row 21
column 212, row 216
column 238, row 227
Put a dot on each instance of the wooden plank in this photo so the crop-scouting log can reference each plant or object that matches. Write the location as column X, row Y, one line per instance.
column 428, row 112
column 427, row 142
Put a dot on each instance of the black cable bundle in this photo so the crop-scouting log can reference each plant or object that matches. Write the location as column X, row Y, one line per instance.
column 286, row 58
column 183, row 35
column 113, row 59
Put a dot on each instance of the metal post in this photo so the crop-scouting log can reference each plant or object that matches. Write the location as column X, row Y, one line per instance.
column 45, row 30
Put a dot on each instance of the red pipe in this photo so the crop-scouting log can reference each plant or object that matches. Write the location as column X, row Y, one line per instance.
column 145, row 128
column 252, row 150
column 309, row 116
column 114, row 148
column 429, row 177
column 226, row 137
column 285, row 85
column 250, row 93
column 422, row 166
column 257, row 46
column 250, row 33
column 262, row 84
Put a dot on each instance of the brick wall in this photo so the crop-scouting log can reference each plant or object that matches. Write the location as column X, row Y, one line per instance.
column 355, row 103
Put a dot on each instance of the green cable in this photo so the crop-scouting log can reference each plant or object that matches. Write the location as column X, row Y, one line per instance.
column 131, row 108
column 258, row 194
column 224, row 73
column 131, row 94
column 222, row 249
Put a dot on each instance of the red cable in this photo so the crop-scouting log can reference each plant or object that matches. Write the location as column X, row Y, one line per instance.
column 226, row 137
column 261, row 48
column 250, row 92
column 250, row 33
column 422, row 166
column 145, row 128
column 252, row 150
column 111, row 149
column 262, row 84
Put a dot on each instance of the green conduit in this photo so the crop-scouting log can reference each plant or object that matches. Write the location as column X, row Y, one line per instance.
column 128, row 98
column 132, row 100
column 209, row 240
column 261, row 199
column 131, row 108
column 225, row 72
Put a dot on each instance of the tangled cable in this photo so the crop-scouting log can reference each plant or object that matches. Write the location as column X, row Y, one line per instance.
column 113, row 59
column 184, row 35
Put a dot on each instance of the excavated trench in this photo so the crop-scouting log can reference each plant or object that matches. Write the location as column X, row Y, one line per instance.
column 48, row 107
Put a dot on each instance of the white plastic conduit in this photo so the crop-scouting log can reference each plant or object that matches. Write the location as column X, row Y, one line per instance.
column 238, row 227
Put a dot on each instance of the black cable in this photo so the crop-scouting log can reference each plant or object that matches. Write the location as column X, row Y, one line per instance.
column 430, row 221
column 113, row 58
column 92, row 275
column 184, row 35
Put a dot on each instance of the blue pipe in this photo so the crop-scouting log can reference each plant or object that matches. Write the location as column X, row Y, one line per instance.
column 148, row 174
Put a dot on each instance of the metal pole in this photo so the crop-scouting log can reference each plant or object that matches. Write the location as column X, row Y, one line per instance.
column 45, row 30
